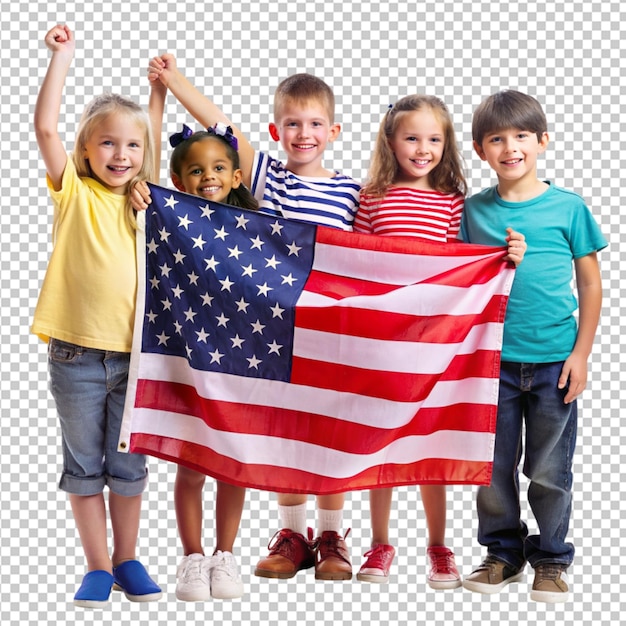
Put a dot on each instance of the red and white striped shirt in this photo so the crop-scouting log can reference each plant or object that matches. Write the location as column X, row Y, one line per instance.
column 430, row 215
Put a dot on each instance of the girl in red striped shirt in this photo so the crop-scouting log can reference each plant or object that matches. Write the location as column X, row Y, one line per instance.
column 416, row 184
column 416, row 187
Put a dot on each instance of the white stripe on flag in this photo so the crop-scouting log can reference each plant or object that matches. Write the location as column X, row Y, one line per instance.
column 392, row 268
column 266, row 450
column 346, row 406
column 391, row 356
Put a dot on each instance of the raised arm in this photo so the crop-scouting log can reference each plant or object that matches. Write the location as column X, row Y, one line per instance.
column 139, row 192
column 60, row 40
column 156, row 107
column 202, row 109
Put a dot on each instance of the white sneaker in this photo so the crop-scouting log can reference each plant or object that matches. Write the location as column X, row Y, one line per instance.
column 194, row 578
column 225, row 580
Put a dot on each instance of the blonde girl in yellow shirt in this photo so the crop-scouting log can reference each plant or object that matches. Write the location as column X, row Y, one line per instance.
column 85, row 311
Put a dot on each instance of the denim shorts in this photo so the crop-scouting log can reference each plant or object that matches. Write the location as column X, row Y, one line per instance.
column 89, row 388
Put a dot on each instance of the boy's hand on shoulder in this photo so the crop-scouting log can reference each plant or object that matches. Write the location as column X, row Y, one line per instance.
column 573, row 376
column 60, row 39
column 516, row 246
column 140, row 196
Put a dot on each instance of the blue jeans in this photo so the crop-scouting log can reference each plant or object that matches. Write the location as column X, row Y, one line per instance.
column 528, row 392
column 89, row 388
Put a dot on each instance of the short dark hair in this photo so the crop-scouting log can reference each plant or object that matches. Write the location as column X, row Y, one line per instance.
column 508, row 109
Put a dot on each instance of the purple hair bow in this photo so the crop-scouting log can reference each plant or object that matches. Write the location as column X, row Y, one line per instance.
column 221, row 130
column 177, row 138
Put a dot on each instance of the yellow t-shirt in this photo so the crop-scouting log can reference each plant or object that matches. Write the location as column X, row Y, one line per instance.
column 88, row 293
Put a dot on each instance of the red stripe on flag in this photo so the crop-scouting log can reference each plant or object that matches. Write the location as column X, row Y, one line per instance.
column 401, row 245
column 338, row 287
column 287, row 424
column 429, row 471
column 387, row 325
column 396, row 386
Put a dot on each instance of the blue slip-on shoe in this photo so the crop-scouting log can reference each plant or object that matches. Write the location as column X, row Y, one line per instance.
column 133, row 580
column 95, row 590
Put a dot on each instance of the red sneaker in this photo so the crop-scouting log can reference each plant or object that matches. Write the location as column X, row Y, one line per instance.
column 376, row 567
column 333, row 558
column 443, row 572
column 289, row 553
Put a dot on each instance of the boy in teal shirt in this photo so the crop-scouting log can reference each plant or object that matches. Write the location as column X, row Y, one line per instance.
column 544, row 353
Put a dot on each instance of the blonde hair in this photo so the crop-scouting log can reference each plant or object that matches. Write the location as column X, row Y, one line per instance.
column 301, row 89
column 447, row 177
column 95, row 112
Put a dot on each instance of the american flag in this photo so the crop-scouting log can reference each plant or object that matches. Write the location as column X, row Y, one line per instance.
column 280, row 355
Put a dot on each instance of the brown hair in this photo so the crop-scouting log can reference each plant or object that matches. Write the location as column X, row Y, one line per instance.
column 508, row 109
column 447, row 177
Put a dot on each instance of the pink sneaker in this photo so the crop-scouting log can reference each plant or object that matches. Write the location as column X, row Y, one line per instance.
column 443, row 572
column 376, row 567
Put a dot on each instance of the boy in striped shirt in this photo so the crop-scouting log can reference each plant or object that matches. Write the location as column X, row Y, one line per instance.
column 302, row 189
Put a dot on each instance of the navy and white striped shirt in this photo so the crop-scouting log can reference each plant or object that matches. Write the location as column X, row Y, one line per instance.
column 326, row 201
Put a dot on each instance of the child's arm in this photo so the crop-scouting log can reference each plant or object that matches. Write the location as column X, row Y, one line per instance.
column 60, row 40
column 164, row 68
column 156, row 107
column 589, row 288
column 140, row 194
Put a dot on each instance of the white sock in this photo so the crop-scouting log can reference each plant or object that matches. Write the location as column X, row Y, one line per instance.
column 328, row 519
column 293, row 517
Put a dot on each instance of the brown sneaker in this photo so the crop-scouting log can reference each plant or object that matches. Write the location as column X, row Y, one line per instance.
column 492, row 575
column 332, row 557
column 550, row 584
column 289, row 553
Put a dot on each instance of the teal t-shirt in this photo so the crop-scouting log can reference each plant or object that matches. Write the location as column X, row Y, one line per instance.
column 540, row 326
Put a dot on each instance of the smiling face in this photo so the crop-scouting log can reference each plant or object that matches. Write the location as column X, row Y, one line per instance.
column 512, row 153
column 115, row 151
column 304, row 131
column 207, row 171
column 417, row 143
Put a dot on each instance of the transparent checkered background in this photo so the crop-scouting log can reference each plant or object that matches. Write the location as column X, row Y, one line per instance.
column 567, row 54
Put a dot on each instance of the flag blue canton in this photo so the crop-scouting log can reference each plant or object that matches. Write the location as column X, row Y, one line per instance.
column 222, row 284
